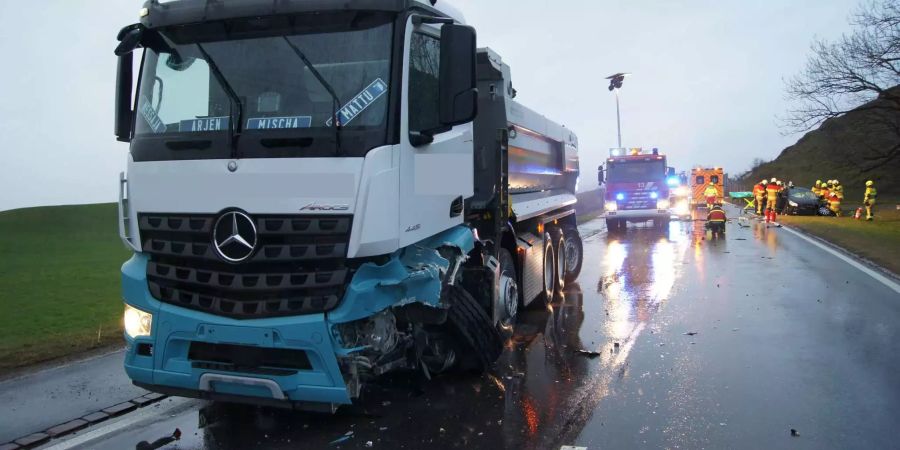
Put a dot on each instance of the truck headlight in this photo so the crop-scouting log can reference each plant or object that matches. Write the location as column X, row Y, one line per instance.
column 611, row 206
column 137, row 323
column 662, row 204
column 792, row 203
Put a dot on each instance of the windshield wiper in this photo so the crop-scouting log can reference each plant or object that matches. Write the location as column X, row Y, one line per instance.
column 235, row 122
column 336, row 102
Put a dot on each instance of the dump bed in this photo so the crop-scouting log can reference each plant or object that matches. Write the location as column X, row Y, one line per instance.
column 542, row 163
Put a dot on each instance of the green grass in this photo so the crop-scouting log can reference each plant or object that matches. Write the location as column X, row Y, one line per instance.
column 59, row 282
column 878, row 241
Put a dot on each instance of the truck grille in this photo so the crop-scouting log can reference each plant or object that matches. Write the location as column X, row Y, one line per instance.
column 298, row 266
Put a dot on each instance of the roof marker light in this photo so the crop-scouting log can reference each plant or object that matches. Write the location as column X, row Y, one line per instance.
column 144, row 12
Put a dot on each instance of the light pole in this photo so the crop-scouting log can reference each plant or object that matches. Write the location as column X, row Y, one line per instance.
column 615, row 83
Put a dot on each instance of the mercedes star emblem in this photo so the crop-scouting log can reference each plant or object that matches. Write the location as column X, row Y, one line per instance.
column 234, row 236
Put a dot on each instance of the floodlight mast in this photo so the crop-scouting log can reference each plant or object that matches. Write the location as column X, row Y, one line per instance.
column 615, row 83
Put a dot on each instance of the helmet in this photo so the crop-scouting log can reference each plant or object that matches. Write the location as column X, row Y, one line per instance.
column 869, row 183
column 763, row 181
column 818, row 183
column 836, row 182
column 779, row 183
column 773, row 180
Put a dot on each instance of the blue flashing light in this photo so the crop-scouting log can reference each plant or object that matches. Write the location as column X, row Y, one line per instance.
column 620, row 196
column 673, row 181
column 654, row 195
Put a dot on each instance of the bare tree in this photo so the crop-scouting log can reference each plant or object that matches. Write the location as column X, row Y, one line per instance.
column 860, row 71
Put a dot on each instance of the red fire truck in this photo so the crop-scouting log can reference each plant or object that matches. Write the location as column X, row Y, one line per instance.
column 636, row 188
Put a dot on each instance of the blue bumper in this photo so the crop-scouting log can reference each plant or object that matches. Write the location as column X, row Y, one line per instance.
column 413, row 274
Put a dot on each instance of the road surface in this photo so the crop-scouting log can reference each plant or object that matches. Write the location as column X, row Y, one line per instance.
column 700, row 344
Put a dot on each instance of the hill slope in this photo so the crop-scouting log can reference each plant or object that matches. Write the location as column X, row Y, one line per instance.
column 59, row 281
column 838, row 149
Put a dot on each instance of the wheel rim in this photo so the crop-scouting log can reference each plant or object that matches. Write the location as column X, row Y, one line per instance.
column 510, row 296
column 572, row 255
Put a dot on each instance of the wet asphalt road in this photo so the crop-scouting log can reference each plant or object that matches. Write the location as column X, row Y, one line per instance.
column 701, row 344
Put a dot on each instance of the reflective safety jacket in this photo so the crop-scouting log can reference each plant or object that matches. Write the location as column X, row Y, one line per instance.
column 816, row 190
column 824, row 193
column 711, row 191
column 772, row 191
column 716, row 215
column 871, row 193
column 759, row 191
column 839, row 190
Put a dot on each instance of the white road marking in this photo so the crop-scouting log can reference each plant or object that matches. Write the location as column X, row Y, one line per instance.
column 129, row 420
column 877, row 276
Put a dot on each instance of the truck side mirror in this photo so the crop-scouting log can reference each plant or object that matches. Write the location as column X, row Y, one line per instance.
column 600, row 178
column 458, row 88
column 123, row 114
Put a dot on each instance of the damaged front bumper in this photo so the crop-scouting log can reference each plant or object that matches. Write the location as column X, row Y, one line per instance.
column 305, row 362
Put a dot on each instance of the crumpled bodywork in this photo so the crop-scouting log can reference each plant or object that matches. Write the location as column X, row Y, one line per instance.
column 413, row 274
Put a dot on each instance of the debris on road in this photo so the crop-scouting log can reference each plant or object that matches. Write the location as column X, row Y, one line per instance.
column 369, row 444
column 794, row 432
column 346, row 437
column 691, row 333
column 588, row 353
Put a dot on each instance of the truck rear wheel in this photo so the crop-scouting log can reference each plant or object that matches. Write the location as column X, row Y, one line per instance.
column 559, row 246
column 479, row 341
column 549, row 269
column 574, row 253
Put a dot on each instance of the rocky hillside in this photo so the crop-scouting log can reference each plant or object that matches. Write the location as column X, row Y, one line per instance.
column 847, row 148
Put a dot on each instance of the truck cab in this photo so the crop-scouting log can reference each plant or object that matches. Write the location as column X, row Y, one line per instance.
column 636, row 188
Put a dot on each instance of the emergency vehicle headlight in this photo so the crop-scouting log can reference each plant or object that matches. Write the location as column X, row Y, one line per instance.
column 611, row 206
column 672, row 181
column 662, row 204
column 137, row 323
column 620, row 196
column 654, row 195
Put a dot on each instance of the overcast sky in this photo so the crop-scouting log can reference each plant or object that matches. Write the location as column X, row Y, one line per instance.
column 707, row 80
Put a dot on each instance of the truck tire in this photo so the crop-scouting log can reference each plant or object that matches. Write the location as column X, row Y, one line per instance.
column 559, row 248
column 574, row 254
column 612, row 225
column 549, row 270
column 478, row 339
column 508, row 269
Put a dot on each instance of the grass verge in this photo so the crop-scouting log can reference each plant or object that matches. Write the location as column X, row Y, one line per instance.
column 59, row 282
column 877, row 241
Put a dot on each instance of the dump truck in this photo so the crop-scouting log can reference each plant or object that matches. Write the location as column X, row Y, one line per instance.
column 321, row 192
column 637, row 188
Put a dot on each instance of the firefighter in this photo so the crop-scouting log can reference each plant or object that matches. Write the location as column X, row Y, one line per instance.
column 817, row 188
column 759, row 192
column 838, row 188
column 772, row 190
column 782, row 200
column 834, row 203
column 869, row 200
column 716, row 219
column 824, row 191
column 710, row 193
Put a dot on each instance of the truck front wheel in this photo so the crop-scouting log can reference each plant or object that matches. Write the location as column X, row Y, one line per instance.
column 478, row 340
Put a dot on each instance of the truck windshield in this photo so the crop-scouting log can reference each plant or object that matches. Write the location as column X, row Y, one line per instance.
column 202, row 84
column 637, row 171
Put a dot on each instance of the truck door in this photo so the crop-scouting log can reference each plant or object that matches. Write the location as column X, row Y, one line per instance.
column 435, row 177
